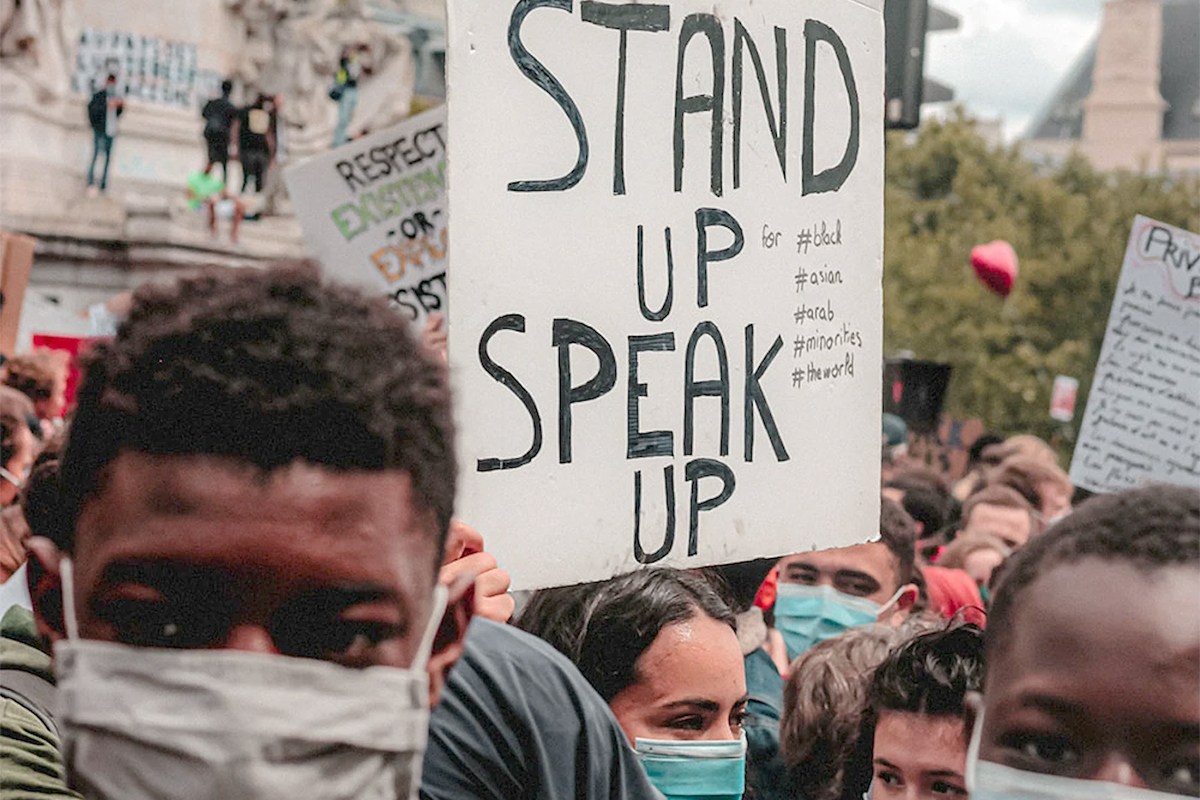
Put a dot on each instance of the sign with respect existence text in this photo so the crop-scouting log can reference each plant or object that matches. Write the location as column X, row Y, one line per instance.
column 666, row 320
column 374, row 212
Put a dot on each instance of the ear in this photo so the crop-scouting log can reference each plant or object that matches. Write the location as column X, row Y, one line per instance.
column 45, row 587
column 448, row 643
column 897, row 611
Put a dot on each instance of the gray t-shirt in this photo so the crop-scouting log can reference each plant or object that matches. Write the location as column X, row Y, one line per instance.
column 517, row 720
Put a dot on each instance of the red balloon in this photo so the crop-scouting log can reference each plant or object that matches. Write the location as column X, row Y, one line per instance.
column 996, row 266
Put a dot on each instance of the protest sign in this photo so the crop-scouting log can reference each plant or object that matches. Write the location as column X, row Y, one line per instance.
column 1062, row 398
column 373, row 212
column 666, row 319
column 16, row 260
column 1142, row 421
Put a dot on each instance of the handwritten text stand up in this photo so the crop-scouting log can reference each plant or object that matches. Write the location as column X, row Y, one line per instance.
column 667, row 246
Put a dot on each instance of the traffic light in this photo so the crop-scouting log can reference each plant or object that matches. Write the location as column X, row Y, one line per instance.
column 905, row 24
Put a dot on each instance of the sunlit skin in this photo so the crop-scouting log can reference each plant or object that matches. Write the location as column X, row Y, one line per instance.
column 919, row 757
column 17, row 466
column 1098, row 677
column 1013, row 525
column 690, row 685
column 862, row 570
column 981, row 564
column 203, row 552
column 1056, row 498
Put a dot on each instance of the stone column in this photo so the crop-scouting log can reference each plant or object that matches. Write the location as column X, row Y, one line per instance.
column 1123, row 115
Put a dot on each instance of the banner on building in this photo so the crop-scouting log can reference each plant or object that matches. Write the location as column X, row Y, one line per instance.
column 1142, row 422
column 666, row 321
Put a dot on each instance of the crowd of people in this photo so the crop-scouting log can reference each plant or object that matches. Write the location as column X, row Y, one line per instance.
column 234, row 571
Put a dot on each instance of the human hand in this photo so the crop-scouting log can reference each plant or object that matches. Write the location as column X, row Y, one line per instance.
column 465, row 558
column 434, row 337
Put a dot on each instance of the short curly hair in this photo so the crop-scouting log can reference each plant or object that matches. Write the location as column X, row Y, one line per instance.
column 1151, row 528
column 268, row 367
column 931, row 674
column 36, row 374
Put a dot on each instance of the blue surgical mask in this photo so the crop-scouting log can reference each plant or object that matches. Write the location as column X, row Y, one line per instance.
column 684, row 770
column 990, row 781
column 806, row 614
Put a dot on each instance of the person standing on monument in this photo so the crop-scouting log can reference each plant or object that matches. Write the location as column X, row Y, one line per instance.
column 345, row 91
column 256, row 141
column 103, row 110
column 219, row 114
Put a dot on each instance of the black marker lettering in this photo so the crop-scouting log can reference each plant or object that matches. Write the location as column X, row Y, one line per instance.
column 669, row 534
column 693, row 388
column 831, row 179
column 694, row 471
column 567, row 332
column 537, row 72
column 778, row 123
column 665, row 309
column 756, row 399
column 710, row 26
column 706, row 217
column 624, row 17
column 509, row 322
column 645, row 444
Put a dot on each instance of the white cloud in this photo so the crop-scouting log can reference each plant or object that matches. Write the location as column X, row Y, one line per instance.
column 1008, row 56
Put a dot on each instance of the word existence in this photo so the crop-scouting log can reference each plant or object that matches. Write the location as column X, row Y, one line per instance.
column 623, row 308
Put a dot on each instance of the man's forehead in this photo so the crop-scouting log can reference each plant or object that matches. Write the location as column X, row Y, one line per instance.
column 868, row 557
column 214, row 510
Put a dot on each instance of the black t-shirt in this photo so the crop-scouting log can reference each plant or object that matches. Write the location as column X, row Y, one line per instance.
column 518, row 720
column 254, row 125
column 218, row 115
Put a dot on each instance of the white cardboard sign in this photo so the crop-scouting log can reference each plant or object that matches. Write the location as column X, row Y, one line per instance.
column 666, row 319
column 1142, row 422
column 374, row 212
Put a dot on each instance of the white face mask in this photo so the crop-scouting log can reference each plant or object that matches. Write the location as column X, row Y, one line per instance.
column 158, row 724
column 990, row 781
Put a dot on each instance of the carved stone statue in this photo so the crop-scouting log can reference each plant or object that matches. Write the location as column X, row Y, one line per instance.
column 37, row 40
column 294, row 48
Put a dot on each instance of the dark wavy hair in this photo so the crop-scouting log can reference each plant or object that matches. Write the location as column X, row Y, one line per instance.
column 604, row 628
column 1151, row 528
column 267, row 367
column 930, row 674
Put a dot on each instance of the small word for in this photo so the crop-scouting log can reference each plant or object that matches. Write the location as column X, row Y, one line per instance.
column 819, row 236
column 812, row 373
column 770, row 238
column 816, row 313
column 817, row 342
column 817, row 277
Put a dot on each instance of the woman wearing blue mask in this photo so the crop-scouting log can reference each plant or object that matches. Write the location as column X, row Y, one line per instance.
column 1093, row 647
column 659, row 646
column 916, row 715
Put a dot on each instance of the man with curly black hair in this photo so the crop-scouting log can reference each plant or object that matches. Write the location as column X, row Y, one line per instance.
column 1093, row 652
column 254, row 498
column 239, row 566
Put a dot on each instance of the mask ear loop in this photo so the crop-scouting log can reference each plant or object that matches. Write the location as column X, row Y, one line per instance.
column 11, row 478
column 67, row 574
column 437, row 612
column 887, row 606
column 973, row 752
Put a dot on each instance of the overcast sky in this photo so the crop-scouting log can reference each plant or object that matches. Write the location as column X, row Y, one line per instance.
column 1008, row 56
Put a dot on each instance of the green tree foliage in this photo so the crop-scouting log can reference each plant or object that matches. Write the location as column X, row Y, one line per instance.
column 947, row 191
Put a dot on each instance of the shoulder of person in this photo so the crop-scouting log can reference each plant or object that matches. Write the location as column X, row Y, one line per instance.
column 31, row 762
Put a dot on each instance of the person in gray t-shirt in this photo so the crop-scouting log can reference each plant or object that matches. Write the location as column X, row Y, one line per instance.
column 518, row 720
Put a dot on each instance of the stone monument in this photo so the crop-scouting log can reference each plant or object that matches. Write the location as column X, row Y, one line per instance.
column 169, row 58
